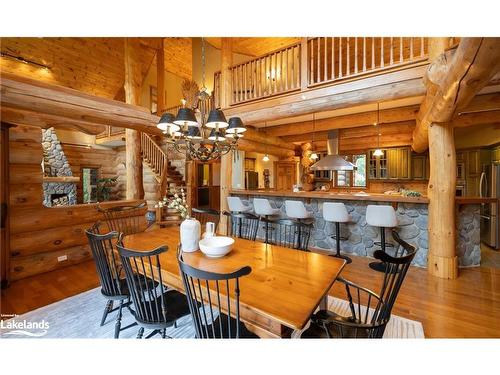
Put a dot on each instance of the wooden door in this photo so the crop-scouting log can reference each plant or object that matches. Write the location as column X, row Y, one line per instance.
column 285, row 174
column 392, row 163
column 404, row 163
column 418, row 167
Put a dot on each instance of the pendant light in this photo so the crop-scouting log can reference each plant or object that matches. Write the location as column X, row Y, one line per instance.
column 378, row 152
column 266, row 156
column 314, row 155
column 205, row 139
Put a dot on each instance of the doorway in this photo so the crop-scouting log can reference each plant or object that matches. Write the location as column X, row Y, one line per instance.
column 207, row 188
column 286, row 174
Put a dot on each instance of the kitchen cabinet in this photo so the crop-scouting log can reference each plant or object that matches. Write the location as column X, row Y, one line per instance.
column 420, row 167
column 469, row 167
column 495, row 155
column 473, row 163
column 394, row 164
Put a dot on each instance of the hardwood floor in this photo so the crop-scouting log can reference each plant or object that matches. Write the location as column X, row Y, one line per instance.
column 467, row 307
column 33, row 292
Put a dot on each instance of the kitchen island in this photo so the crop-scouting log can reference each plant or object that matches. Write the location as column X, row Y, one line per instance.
column 411, row 212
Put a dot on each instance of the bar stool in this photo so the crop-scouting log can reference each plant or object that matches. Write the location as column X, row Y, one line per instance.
column 337, row 213
column 263, row 209
column 236, row 205
column 296, row 210
column 382, row 217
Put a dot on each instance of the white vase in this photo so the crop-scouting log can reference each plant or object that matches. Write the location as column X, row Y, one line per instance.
column 190, row 235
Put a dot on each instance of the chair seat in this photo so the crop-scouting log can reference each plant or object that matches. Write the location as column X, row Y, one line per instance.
column 317, row 328
column 222, row 320
column 176, row 306
column 124, row 287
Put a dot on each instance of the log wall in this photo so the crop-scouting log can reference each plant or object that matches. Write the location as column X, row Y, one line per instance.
column 40, row 235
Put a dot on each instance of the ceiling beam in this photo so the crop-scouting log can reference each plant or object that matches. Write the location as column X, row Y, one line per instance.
column 347, row 121
column 261, row 137
column 473, row 65
column 251, row 146
column 389, row 86
column 477, row 118
column 21, row 117
column 24, row 94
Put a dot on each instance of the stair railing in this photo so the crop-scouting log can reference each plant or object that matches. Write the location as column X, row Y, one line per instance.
column 157, row 160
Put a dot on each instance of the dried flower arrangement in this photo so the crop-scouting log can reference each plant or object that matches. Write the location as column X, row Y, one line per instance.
column 177, row 202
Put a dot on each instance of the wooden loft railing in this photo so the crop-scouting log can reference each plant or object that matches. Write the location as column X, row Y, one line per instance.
column 331, row 59
column 319, row 61
column 276, row 73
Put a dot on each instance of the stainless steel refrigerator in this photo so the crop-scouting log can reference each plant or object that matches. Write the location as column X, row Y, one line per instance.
column 489, row 186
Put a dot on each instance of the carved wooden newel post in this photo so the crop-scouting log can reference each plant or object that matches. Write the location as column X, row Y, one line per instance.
column 132, row 86
column 226, row 160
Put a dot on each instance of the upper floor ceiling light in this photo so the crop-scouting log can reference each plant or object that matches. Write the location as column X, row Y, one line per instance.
column 202, row 139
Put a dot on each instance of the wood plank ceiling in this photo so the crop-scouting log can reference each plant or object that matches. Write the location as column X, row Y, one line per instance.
column 256, row 46
column 91, row 65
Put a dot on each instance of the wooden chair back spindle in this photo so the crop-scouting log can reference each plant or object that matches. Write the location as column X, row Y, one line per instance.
column 206, row 215
column 209, row 294
column 243, row 225
column 106, row 261
column 141, row 271
column 126, row 219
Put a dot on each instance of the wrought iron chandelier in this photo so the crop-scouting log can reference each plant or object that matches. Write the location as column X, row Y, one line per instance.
column 207, row 139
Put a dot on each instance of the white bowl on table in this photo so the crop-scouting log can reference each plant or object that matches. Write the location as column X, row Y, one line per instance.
column 216, row 246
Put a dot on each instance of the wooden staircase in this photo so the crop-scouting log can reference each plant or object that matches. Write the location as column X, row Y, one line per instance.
column 166, row 175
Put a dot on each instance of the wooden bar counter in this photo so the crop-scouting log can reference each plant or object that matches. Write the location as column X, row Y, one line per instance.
column 411, row 213
column 331, row 195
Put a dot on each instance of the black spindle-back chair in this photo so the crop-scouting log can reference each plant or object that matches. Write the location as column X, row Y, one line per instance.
column 156, row 307
column 126, row 219
column 107, row 262
column 243, row 225
column 206, row 215
column 369, row 312
column 208, row 293
column 289, row 233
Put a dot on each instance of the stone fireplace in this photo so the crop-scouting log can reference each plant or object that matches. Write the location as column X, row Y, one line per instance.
column 55, row 164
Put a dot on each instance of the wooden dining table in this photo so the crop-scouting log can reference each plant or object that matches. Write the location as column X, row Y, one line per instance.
column 277, row 298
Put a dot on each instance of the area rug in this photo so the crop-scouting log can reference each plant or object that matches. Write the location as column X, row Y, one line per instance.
column 79, row 317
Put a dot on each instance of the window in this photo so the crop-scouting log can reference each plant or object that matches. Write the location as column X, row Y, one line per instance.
column 249, row 164
column 356, row 178
column 153, row 99
column 360, row 172
column 89, row 184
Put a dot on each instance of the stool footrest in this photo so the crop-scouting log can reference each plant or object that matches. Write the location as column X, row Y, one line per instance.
column 387, row 244
column 342, row 238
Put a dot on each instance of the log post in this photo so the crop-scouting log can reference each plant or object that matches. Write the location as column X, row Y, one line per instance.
column 442, row 260
column 226, row 160
column 160, row 77
column 132, row 86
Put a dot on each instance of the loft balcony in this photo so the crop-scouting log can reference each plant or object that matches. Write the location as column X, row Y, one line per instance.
column 319, row 73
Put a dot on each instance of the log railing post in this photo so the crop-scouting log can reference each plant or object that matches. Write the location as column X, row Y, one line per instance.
column 304, row 70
